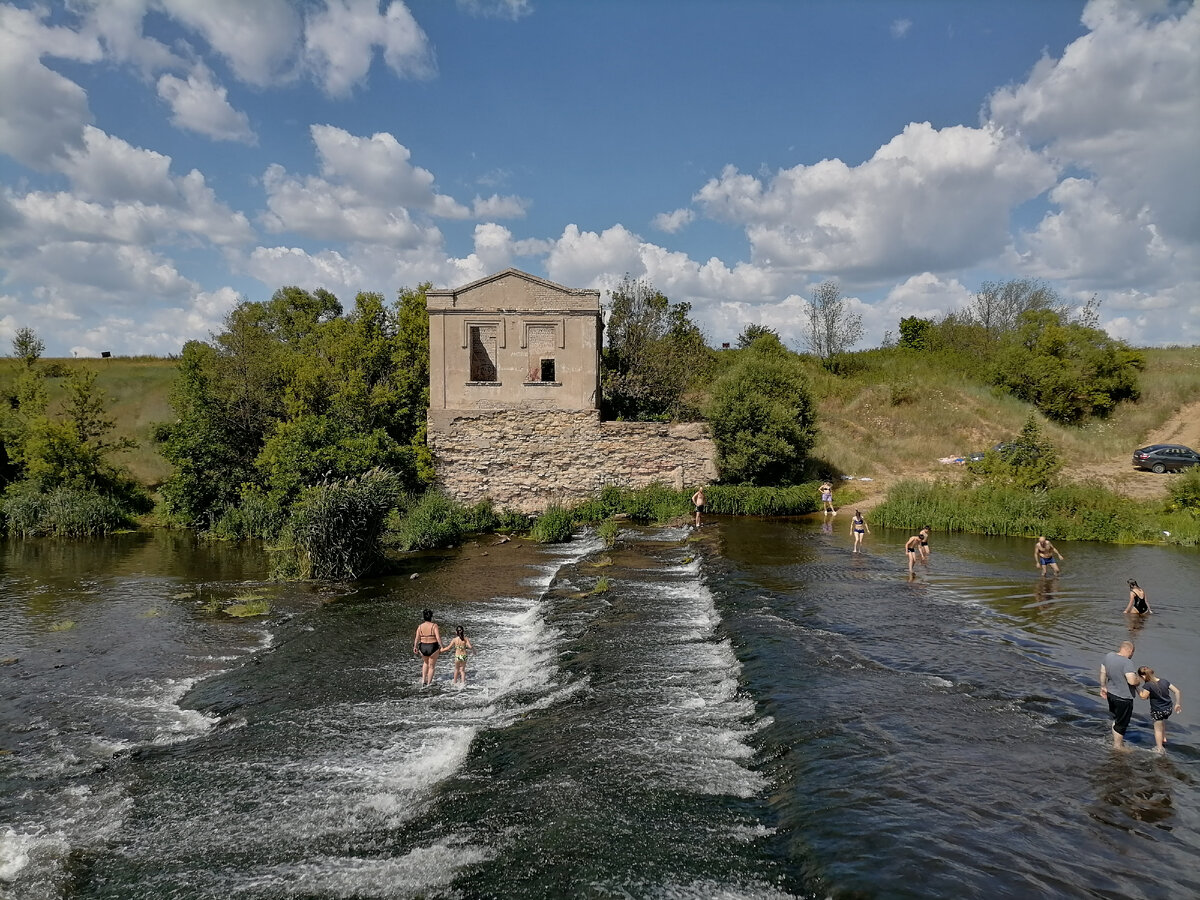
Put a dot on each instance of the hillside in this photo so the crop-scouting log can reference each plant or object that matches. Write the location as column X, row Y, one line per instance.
column 897, row 418
column 900, row 419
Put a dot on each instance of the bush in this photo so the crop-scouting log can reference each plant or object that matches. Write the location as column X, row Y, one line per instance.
column 745, row 500
column 334, row 530
column 554, row 526
column 1185, row 491
column 433, row 521
column 63, row 512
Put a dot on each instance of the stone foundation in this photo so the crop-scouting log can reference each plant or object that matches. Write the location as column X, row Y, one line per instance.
column 529, row 459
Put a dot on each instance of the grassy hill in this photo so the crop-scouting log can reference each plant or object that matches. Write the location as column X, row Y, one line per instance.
column 137, row 389
column 895, row 416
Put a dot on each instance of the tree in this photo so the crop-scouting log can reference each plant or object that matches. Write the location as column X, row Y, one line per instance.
column 762, row 418
column 1029, row 461
column 753, row 332
column 916, row 334
column 998, row 306
column 654, row 352
column 27, row 346
column 832, row 327
column 1068, row 371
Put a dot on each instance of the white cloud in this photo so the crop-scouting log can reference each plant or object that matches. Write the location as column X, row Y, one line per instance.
column 108, row 168
column 673, row 221
column 118, row 25
column 928, row 199
column 376, row 167
column 339, row 42
column 1120, row 108
column 199, row 105
column 497, row 207
column 900, row 27
column 501, row 9
column 42, row 113
column 259, row 40
column 581, row 258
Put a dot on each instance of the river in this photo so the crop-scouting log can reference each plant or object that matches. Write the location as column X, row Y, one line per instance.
column 748, row 711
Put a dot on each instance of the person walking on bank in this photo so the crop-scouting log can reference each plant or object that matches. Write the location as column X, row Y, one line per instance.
column 858, row 527
column 1044, row 553
column 698, row 502
column 1158, row 691
column 827, row 499
column 428, row 642
column 1119, row 681
column 1137, row 600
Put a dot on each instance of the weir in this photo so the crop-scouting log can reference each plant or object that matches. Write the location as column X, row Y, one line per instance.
column 514, row 387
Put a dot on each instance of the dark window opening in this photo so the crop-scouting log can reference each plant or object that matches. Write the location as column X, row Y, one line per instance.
column 548, row 370
column 483, row 353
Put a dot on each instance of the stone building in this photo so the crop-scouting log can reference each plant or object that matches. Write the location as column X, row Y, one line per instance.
column 514, row 389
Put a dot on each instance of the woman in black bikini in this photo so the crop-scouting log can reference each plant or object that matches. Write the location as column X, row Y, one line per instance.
column 1137, row 600
column 428, row 642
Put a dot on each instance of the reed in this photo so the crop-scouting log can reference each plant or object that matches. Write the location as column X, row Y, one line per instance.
column 607, row 531
column 61, row 512
column 434, row 520
column 1076, row 512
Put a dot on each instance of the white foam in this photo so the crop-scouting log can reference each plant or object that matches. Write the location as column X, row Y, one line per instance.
column 413, row 874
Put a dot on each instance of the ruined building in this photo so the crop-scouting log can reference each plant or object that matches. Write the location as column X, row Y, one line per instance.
column 514, row 390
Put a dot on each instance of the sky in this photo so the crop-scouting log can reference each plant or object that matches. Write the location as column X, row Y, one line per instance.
column 163, row 160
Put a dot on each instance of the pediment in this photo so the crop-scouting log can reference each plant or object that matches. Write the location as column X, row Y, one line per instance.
column 514, row 290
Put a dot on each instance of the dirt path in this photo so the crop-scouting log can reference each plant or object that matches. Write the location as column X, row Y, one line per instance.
column 1120, row 475
column 1117, row 474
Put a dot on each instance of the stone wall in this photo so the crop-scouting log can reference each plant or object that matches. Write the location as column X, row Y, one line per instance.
column 528, row 459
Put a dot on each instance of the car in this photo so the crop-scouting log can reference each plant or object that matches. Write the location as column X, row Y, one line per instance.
column 1159, row 458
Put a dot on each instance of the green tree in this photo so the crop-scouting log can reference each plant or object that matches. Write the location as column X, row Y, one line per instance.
column 1068, row 371
column 753, row 332
column 1029, row 461
column 654, row 353
column 762, row 417
column 27, row 346
column 832, row 327
column 916, row 334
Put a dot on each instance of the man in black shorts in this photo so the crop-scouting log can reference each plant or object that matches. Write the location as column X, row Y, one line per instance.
column 1118, row 682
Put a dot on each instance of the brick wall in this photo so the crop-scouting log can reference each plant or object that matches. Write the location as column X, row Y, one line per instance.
column 528, row 459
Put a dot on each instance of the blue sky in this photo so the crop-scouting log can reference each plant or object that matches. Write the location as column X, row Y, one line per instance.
column 162, row 159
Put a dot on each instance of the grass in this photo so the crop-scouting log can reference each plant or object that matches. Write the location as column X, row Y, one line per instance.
column 248, row 606
column 1077, row 512
column 903, row 411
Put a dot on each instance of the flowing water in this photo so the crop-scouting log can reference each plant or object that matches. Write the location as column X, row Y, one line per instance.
column 747, row 711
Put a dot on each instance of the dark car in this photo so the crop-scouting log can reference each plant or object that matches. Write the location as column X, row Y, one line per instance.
column 1161, row 458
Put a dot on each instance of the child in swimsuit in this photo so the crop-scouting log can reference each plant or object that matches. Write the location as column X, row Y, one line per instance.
column 460, row 645
column 923, row 534
column 1159, row 692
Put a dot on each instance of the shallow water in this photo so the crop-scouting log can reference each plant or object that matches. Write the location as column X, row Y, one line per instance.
column 752, row 711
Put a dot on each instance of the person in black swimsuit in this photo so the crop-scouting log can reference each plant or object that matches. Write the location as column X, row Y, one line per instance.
column 1137, row 600
column 428, row 642
column 912, row 547
column 923, row 534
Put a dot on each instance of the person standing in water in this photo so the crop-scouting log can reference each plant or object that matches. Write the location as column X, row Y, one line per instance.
column 1119, row 681
column 1044, row 553
column 911, row 548
column 698, row 502
column 428, row 642
column 460, row 645
column 1158, row 691
column 1137, row 600
column 923, row 534
column 858, row 527
column 827, row 499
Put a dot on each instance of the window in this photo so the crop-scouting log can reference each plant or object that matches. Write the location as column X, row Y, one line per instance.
column 483, row 353
column 540, row 341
